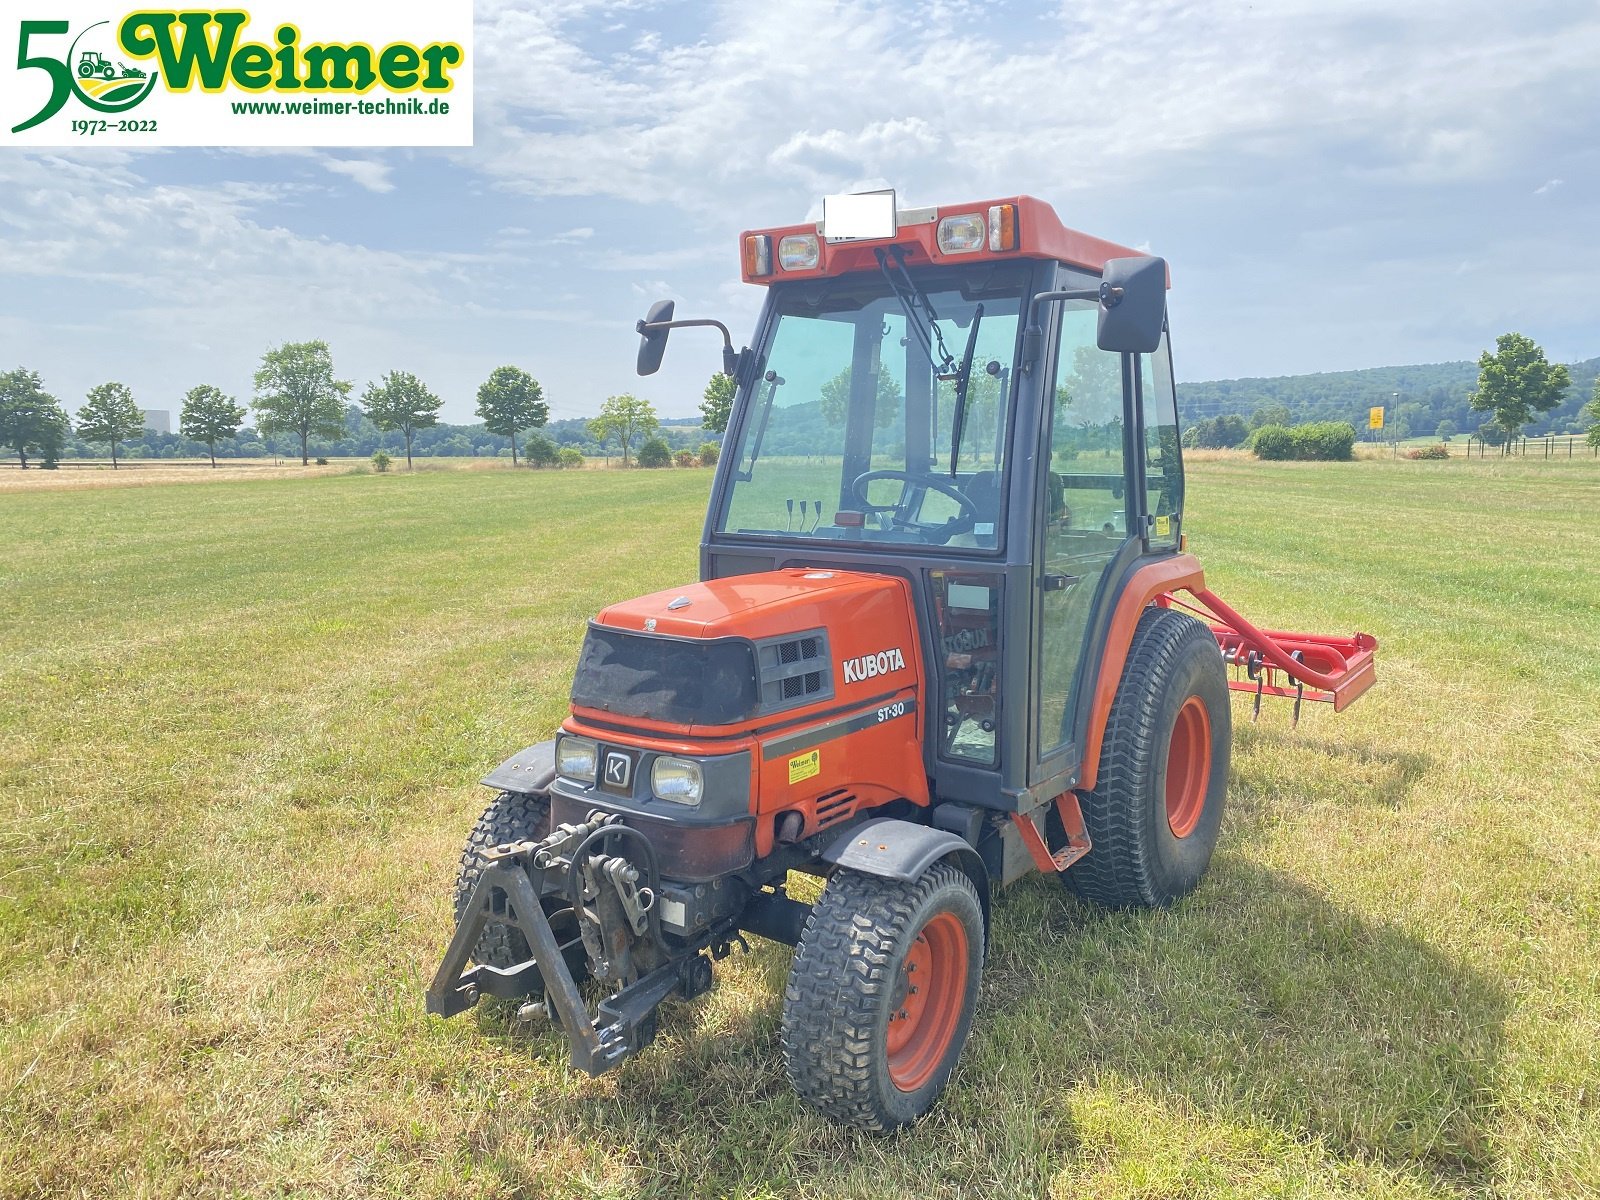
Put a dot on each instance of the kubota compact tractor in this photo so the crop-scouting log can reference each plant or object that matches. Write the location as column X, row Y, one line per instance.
column 939, row 641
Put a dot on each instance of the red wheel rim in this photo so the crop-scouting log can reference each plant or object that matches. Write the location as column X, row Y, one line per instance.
column 928, row 998
column 1188, row 767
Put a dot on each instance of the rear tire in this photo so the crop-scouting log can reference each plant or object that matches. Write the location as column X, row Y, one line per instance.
column 510, row 817
column 1157, row 806
column 881, row 996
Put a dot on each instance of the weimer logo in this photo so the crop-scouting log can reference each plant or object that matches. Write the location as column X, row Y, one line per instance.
column 358, row 69
column 89, row 72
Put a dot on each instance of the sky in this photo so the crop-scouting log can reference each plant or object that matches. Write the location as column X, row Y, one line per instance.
column 1336, row 184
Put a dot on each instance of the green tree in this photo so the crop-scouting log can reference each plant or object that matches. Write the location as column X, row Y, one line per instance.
column 1446, row 431
column 510, row 400
column 540, row 451
column 209, row 416
column 624, row 417
column 1591, row 411
column 401, row 401
column 31, row 418
column 1270, row 414
column 1516, row 381
column 717, row 406
column 655, row 453
column 836, row 399
column 296, row 392
column 110, row 415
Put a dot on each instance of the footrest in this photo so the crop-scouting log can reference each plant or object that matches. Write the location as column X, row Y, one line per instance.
column 1078, row 843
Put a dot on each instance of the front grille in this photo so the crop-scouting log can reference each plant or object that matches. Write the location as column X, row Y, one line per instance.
column 794, row 670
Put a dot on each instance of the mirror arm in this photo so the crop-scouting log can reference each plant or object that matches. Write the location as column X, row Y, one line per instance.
column 1105, row 294
column 730, row 359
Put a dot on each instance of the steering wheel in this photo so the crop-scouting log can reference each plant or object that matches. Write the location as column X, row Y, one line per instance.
column 910, row 503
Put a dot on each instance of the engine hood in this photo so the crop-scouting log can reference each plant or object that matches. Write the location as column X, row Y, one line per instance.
column 753, row 606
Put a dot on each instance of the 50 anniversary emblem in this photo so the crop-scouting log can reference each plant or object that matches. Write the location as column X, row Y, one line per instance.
column 367, row 74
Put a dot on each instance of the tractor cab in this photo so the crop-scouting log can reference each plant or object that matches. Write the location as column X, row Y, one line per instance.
column 938, row 394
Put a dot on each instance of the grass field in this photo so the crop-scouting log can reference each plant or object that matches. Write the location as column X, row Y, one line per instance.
column 240, row 726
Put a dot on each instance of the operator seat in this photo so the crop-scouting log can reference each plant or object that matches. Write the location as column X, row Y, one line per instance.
column 983, row 489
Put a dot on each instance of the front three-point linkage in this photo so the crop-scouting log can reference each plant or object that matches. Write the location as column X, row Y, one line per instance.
column 614, row 897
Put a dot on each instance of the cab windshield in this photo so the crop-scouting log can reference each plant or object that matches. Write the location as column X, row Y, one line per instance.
column 880, row 413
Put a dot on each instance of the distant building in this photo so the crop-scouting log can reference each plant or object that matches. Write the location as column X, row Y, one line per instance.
column 158, row 420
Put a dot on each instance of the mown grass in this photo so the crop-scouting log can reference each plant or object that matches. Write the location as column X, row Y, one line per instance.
column 239, row 729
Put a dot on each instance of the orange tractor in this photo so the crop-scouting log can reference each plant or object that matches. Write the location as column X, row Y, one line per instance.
column 946, row 634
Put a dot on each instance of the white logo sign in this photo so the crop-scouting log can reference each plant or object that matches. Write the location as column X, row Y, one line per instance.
column 869, row 666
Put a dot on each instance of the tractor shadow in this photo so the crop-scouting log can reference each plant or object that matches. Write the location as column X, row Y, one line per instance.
column 1263, row 1004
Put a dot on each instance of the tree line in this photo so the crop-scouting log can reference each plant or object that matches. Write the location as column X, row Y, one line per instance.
column 302, row 406
column 1512, row 391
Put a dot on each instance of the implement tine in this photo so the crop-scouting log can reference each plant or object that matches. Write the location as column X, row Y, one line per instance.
column 1299, row 692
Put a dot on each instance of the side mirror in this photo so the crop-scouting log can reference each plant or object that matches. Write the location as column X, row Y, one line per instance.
column 1133, row 305
column 653, row 342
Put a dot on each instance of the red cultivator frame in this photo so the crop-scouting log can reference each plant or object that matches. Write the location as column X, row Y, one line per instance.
column 1292, row 666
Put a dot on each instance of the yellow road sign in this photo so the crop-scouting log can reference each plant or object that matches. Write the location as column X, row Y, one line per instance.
column 1375, row 418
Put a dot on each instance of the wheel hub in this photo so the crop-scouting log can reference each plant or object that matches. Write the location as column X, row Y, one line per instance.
column 926, row 1001
column 1188, row 767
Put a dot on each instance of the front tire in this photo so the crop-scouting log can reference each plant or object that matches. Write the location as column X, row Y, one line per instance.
column 881, row 996
column 1156, row 810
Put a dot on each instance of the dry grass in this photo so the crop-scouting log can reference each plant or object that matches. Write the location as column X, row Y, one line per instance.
column 239, row 729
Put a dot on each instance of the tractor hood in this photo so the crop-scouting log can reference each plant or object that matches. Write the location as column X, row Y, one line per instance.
column 732, row 652
column 751, row 606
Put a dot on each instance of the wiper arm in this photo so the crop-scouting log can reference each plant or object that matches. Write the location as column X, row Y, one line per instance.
column 911, row 298
column 959, row 420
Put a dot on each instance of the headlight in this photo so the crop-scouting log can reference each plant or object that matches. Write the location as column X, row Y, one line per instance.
column 960, row 235
column 676, row 779
column 798, row 252
column 576, row 758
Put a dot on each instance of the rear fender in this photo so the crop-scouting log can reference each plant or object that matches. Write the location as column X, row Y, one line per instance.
column 529, row 772
column 903, row 850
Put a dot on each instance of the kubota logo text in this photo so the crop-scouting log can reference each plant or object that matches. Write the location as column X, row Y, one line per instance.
column 869, row 666
column 207, row 76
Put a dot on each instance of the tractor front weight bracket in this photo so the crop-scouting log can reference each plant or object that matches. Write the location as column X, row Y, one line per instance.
column 624, row 1023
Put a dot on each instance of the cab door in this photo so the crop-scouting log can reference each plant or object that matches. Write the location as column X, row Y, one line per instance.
column 1082, row 522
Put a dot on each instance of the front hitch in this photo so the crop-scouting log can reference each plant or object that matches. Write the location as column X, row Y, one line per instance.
column 623, row 1024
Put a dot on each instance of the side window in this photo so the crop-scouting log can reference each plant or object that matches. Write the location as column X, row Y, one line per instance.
column 1163, row 460
column 1085, row 510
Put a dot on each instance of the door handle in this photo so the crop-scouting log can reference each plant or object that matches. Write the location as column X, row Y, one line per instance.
column 1057, row 583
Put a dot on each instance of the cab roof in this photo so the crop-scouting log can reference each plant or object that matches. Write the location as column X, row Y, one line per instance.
column 1039, row 235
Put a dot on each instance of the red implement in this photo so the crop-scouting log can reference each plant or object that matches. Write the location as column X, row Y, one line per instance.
column 1296, row 666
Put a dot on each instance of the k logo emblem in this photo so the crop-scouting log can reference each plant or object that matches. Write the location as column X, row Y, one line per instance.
column 618, row 769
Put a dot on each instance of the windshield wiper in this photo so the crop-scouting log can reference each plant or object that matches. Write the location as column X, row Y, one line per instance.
column 959, row 420
column 912, row 298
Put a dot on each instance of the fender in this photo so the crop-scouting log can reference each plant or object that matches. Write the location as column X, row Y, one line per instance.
column 903, row 850
column 529, row 772
column 1180, row 572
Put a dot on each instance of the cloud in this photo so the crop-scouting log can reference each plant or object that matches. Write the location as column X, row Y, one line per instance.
column 1547, row 187
column 369, row 173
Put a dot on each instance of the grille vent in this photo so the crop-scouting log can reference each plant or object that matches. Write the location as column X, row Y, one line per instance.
column 795, row 670
column 833, row 807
